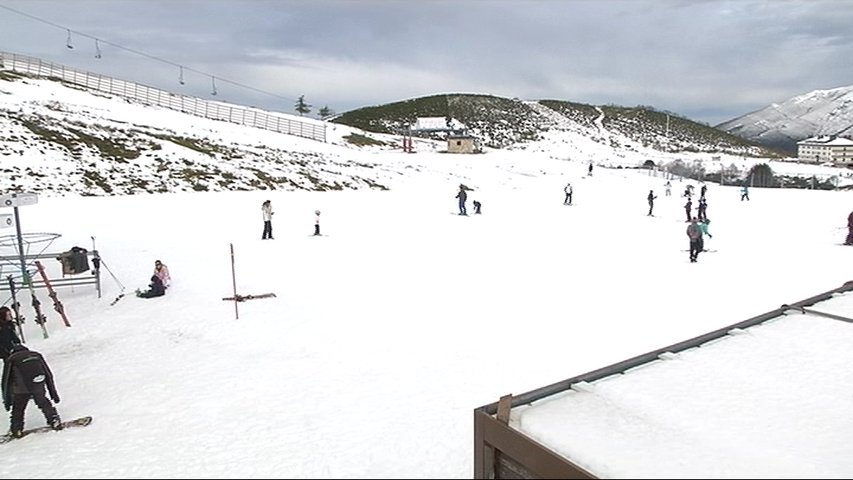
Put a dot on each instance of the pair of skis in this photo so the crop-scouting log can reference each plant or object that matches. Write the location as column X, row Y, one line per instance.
column 40, row 318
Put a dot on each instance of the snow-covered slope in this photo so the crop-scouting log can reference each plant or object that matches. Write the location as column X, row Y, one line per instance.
column 781, row 125
column 58, row 139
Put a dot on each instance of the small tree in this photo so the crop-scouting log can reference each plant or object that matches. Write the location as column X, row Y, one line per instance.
column 301, row 107
column 761, row 175
column 326, row 112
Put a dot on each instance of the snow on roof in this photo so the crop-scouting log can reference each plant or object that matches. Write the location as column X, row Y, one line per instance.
column 768, row 401
column 438, row 123
column 827, row 140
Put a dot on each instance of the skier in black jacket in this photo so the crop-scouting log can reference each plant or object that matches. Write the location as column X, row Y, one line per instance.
column 8, row 336
column 651, row 198
column 155, row 288
column 26, row 376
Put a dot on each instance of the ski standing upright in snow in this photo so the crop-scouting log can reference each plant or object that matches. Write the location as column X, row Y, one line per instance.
column 40, row 318
column 57, row 305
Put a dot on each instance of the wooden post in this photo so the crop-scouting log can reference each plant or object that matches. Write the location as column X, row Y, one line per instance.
column 502, row 416
column 504, row 406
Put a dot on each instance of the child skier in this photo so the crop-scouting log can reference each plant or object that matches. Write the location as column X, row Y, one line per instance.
column 316, row 222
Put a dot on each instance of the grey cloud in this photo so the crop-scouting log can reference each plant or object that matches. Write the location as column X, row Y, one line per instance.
column 707, row 60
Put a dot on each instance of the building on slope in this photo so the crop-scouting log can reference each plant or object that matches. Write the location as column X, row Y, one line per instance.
column 826, row 149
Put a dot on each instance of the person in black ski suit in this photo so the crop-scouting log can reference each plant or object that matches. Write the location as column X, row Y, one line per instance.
column 155, row 289
column 26, row 376
column 477, row 207
column 8, row 336
column 849, row 239
column 703, row 206
column 688, row 207
column 651, row 199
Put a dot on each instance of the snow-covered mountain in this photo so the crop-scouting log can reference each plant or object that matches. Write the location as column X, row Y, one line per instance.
column 782, row 125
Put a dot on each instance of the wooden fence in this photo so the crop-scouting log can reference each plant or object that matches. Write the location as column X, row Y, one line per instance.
column 251, row 117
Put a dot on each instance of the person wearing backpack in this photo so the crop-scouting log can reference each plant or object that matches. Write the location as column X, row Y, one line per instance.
column 26, row 376
column 8, row 336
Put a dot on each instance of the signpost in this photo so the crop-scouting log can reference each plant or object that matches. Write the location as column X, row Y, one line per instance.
column 19, row 199
column 16, row 200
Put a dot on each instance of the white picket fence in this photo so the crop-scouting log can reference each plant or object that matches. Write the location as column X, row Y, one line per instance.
column 313, row 129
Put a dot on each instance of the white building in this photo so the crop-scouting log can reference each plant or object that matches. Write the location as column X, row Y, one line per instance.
column 826, row 148
column 438, row 124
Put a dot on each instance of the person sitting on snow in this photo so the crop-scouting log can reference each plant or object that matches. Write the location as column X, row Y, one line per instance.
column 162, row 271
column 155, row 289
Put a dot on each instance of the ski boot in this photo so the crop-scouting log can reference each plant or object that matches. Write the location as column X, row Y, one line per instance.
column 55, row 423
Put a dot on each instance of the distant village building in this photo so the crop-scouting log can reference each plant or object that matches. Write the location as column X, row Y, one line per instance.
column 826, row 148
column 460, row 144
column 458, row 141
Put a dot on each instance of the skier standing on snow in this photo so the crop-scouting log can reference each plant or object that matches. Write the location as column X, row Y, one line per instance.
column 266, row 210
column 477, row 206
column 703, row 205
column 744, row 193
column 316, row 222
column 463, row 197
column 589, row 172
column 702, row 191
column 695, row 235
column 26, row 376
column 703, row 227
column 849, row 240
column 568, row 190
column 8, row 336
column 651, row 199
column 688, row 207
column 668, row 186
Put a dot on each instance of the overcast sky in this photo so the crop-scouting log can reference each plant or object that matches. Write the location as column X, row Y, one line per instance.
column 709, row 61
